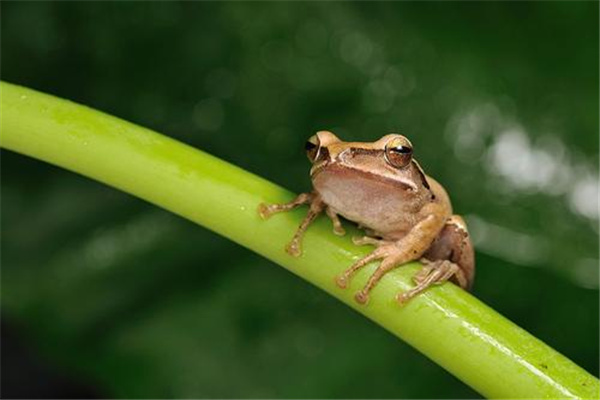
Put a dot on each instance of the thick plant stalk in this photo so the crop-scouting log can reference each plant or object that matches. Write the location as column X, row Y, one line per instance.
column 457, row 331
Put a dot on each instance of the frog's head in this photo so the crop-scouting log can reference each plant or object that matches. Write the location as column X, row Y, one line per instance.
column 388, row 160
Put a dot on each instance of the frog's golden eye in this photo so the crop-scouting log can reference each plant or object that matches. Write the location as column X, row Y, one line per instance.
column 398, row 152
column 312, row 148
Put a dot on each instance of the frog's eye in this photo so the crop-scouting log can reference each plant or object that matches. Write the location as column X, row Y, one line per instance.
column 312, row 148
column 398, row 152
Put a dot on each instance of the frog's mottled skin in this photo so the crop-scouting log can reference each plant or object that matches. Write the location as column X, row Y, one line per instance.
column 406, row 213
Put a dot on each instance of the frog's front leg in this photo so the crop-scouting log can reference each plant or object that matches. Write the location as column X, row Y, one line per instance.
column 338, row 229
column 266, row 210
column 316, row 207
column 394, row 253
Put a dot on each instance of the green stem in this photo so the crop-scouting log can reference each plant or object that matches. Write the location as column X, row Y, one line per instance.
column 463, row 335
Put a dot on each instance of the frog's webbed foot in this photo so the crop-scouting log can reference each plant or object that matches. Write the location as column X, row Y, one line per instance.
column 316, row 207
column 433, row 273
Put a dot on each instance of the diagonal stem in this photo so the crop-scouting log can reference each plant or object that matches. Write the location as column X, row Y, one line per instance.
column 463, row 335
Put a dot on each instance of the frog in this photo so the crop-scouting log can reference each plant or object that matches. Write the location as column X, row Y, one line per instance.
column 405, row 214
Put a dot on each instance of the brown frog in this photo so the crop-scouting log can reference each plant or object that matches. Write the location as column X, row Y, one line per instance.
column 407, row 214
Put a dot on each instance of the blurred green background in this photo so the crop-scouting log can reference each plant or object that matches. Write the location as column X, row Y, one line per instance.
column 105, row 295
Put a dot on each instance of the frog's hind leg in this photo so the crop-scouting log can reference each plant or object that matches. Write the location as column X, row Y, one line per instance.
column 450, row 257
column 390, row 257
column 393, row 253
column 433, row 273
column 454, row 244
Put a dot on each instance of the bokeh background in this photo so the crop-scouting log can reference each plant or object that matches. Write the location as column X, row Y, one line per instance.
column 105, row 295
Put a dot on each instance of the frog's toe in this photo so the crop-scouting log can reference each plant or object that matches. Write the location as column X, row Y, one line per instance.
column 338, row 230
column 366, row 240
column 341, row 281
column 293, row 249
column 358, row 240
column 423, row 273
column 263, row 211
column 362, row 297
column 434, row 273
column 402, row 298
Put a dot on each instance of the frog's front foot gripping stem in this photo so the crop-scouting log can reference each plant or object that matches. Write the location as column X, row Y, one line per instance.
column 316, row 207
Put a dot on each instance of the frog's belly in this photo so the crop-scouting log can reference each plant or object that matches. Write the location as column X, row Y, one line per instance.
column 374, row 205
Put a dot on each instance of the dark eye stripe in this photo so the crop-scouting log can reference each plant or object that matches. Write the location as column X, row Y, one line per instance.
column 422, row 175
